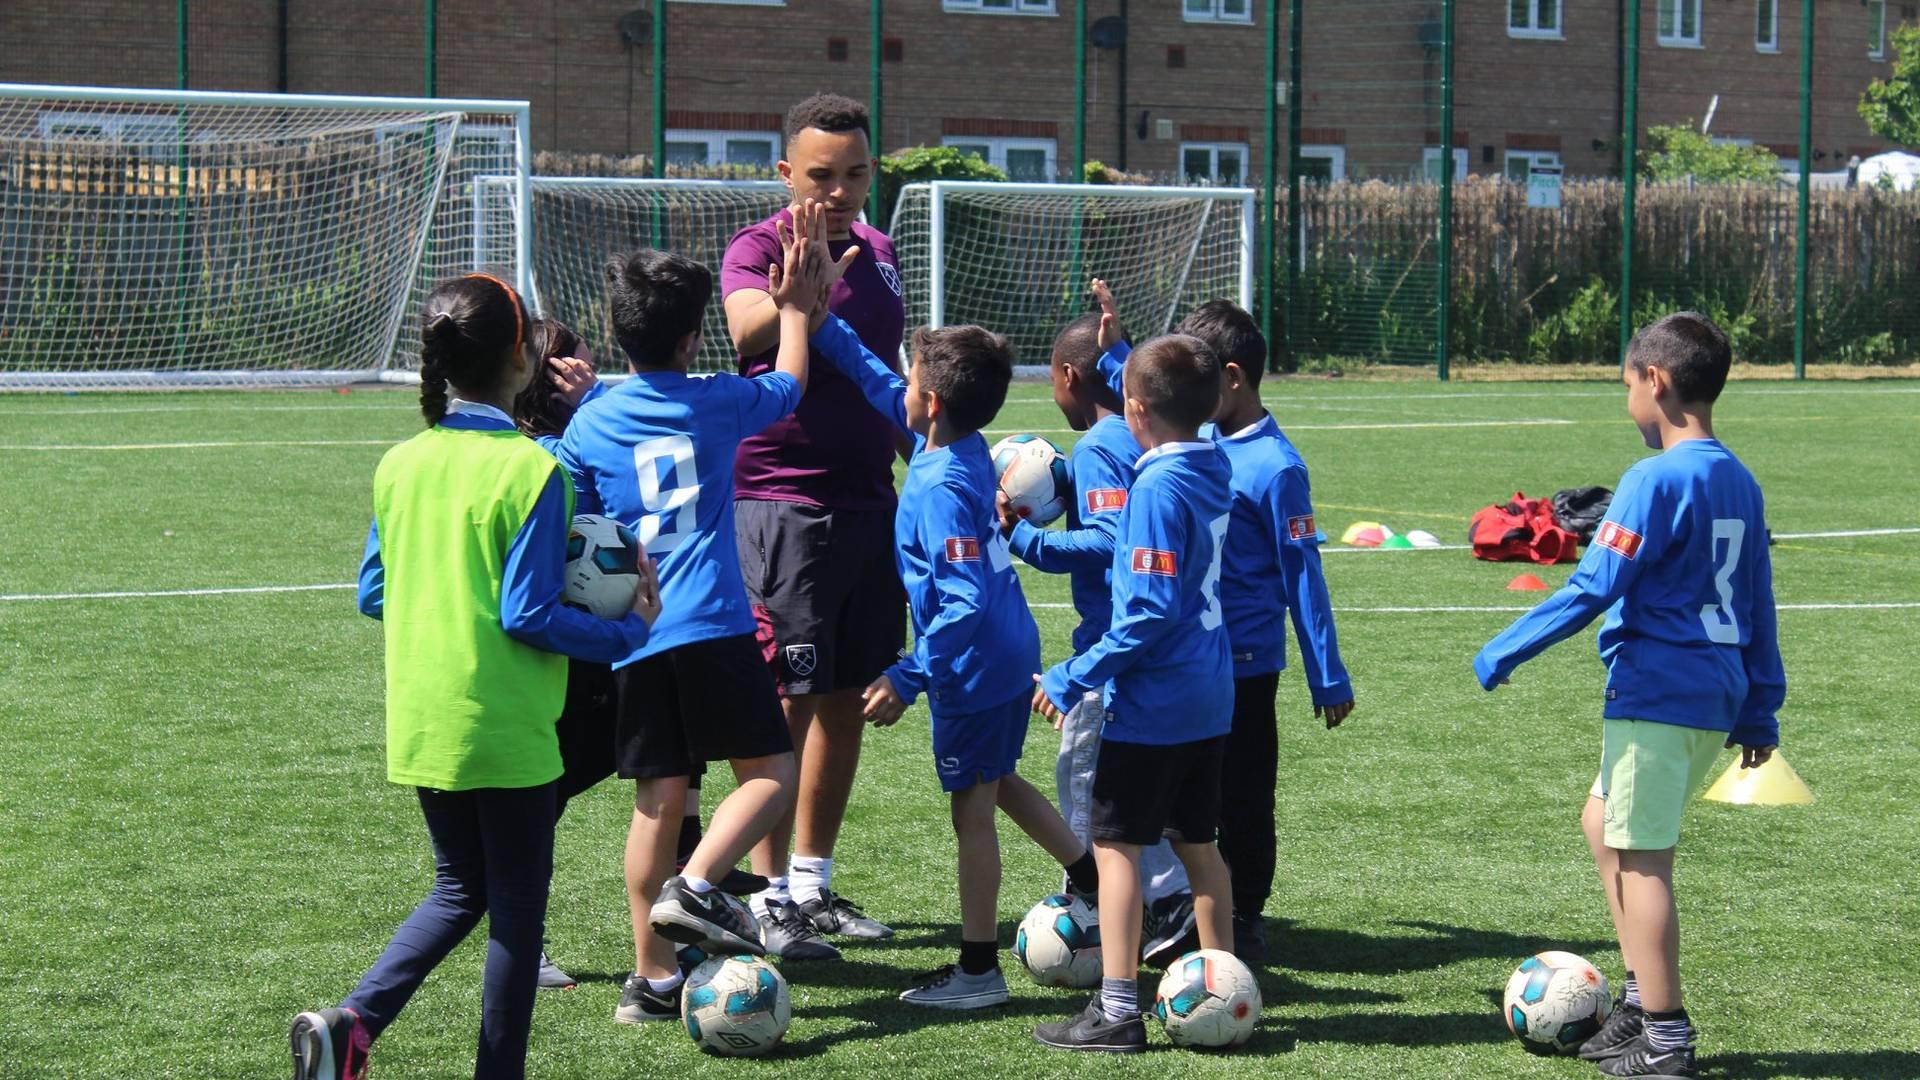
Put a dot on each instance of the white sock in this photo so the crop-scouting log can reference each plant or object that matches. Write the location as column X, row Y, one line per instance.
column 776, row 892
column 661, row 986
column 700, row 886
column 810, row 876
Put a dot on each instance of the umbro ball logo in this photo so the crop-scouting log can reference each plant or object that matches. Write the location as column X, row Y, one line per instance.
column 1152, row 561
column 891, row 275
column 1618, row 539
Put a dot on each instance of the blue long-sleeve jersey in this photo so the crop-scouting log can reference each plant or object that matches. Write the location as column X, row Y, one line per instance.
column 1102, row 463
column 1273, row 565
column 1681, row 569
column 656, row 452
column 975, row 644
column 533, row 577
column 1164, row 664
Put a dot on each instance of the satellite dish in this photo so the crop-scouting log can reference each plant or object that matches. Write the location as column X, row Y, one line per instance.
column 1108, row 33
column 636, row 27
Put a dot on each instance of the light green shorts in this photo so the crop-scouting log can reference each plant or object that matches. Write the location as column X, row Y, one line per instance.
column 1647, row 772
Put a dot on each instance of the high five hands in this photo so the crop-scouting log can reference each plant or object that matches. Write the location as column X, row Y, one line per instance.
column 807, row 272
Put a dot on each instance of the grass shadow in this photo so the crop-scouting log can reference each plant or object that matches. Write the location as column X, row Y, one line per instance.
column 884, row 1016
column 1840, row 1064
column 1383, row 1029
column 1436, row 945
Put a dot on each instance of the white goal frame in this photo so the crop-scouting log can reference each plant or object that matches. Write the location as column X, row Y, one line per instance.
column 390, row 364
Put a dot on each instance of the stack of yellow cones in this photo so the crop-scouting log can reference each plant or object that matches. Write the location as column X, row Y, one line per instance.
column 1772, row 784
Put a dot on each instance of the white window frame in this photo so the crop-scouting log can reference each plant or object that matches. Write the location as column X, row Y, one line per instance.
column 994, row 7
column 1216, row 13
column 1876, row 29
column 744, row 3
column 1772, row 45
column 1430, row 164
column 998, row 145
column 1213, row 150
column 1533, row 29
column 1534, row 159
column 1332, row 152
column 716, row 141
column 1678, row 9
column 147, row 133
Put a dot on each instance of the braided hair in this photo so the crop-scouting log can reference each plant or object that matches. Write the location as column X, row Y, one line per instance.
column 541, row 409
column 469, row 331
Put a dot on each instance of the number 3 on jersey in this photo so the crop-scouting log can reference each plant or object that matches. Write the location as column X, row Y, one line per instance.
column 669, row 489
column 1722, row 626
column 1210, row 585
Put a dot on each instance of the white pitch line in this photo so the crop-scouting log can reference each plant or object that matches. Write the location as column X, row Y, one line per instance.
column 1451, row 609
column 198, row 445
column 128, row 410
column 1388, row 426
column 252, row 589
column 1844, row 532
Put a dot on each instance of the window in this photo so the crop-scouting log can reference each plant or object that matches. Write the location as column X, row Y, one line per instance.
column 1430, row 163
column 1224, row 164
column 1322, row 162
column 1217, row 11
column 749, row 149
column 1766, row 26
column 750, row 3
column 1533, row 18
column 1680, row 23
column 149, row 134
column 1877, row 29
column 1000, row 7
column 1523, row 163
column 1029, row 161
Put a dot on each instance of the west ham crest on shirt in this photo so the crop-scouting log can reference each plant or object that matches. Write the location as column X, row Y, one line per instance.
column 801, row 660
column 1618, row 539
column 891, row 275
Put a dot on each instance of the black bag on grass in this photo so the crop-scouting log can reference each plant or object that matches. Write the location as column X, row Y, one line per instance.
column 1579, row 510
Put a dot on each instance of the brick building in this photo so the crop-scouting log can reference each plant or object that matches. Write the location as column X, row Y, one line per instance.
column 1537, row 81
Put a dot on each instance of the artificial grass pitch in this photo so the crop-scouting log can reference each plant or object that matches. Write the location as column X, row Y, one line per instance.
column 196, row 839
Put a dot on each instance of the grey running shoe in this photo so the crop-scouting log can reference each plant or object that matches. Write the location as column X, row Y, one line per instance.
column 1624, row 1025
column 551, row 977
column 1640, row 1061
column 951, row 988
column 790, row 935
column 1091, row 1031
column 713, row 919
column 835, row 914
column 329, row 1044
column 1169, row 931
column 640, row 1004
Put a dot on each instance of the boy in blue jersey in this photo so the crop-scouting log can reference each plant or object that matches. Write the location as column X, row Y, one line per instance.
column 1166, row 673
column 1681, row 570
column 657, row 453
column 975, row 643
column 1102, row 464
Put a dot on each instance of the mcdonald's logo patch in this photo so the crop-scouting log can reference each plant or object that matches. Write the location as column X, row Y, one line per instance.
column 1100, row 499
column 1152, row 561
column 1618, row 539
column 963, row 549
column 1301, row 528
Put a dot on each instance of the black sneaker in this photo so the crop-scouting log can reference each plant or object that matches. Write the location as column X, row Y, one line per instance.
column 1250, row 939
column 1169, row 931
column 790, row 935
column 1091, row 1031
column 640, row 1004
column 1623, row 1025
column 713, row 919
column 835, row 914
column 1642, row 1062
column 737, row 882
column 329, row 1044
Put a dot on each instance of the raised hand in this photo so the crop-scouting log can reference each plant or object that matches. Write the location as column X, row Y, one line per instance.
column 571, row 377
column 1109, row 315
column 795, row 280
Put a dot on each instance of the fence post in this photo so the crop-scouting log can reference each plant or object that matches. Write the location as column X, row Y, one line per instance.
column 1445, row 268
column 875, row 45
column 1269, row 167
column 1292, row 239
column 1805, row 193
column 658, row 166
column 1629, row 164
column 1079, row 91
column 432, row 56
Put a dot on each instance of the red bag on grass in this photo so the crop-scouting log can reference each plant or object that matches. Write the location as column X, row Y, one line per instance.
column 1522, row 530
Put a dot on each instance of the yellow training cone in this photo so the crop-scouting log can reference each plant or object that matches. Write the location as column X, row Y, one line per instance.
column 1772, row 784
column 1354, row 530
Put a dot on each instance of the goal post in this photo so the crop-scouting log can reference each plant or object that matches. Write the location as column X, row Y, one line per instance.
column 580, row 222
column 1015, row 258
column 192, row 238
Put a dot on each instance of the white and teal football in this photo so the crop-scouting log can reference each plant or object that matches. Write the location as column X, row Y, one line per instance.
column 1033, row 472
column 1209, row 999
column 1555, row 1001
column 603, row 566
column 1059, row 943
column 736, row 1006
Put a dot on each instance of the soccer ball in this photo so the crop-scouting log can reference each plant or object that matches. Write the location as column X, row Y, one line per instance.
column 1059, row 943
column 1208, row 998
column 736, row 1006
column 1555, row 1001
column 1033, row 473
column 603, row 566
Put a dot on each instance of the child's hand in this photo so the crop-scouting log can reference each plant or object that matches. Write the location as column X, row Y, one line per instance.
column 646, row 599
column 1752, row 757
column 883, row 704
column 1334, row 713
column 1109, row 316
column 794, row 282
column 1044, row 705
column 572, row 377
column 1004, row 507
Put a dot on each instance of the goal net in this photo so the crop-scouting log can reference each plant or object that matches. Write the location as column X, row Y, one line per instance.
column 1015, row 258
column 579, row 222
column 150, row 238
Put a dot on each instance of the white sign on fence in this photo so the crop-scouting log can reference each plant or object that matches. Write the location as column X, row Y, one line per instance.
column 1543, row 187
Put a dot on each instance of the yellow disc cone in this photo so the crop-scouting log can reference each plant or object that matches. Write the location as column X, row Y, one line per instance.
column 1772, row 784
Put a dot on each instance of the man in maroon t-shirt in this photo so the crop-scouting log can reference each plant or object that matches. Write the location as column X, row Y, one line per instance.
column 814, row 520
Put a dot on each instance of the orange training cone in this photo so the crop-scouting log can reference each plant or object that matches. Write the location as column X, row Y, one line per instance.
column 1354, row 530
column 1527, row 583
column 1772, row 784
